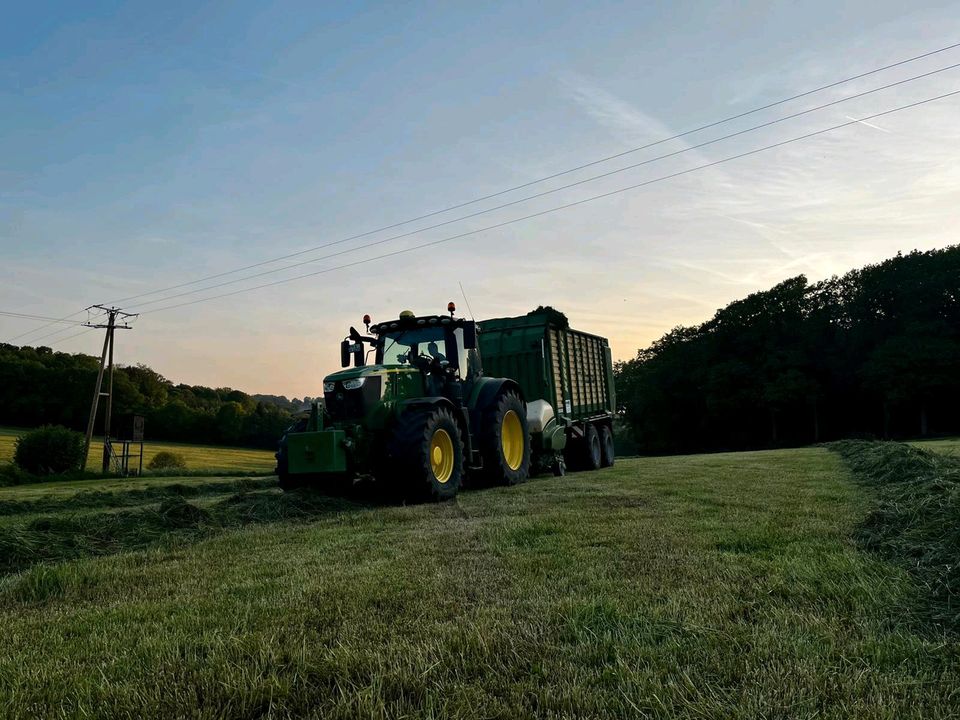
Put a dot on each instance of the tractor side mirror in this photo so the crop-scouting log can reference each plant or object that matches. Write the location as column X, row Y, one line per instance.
column 359, row 357
column 470, row 336
column 345, row 353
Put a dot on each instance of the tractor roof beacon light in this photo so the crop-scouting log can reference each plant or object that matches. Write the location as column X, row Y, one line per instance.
column 366, row 322
column 451, row 308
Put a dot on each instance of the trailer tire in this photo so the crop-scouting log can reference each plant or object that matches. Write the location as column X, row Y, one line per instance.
column 427, row 448
column 591, row 448
column 607, row 449
column 505, row 441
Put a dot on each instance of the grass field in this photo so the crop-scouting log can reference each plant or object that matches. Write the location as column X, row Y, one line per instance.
column 699, row 586
column 950, row 446
column 197, row 457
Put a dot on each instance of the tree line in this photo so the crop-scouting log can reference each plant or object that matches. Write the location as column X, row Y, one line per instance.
column 39, row 386
column 874, row 353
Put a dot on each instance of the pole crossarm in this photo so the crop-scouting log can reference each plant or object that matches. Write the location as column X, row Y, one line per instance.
column 113, row 315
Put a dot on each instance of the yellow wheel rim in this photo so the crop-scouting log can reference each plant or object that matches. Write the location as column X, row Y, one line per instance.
column 441, row 455
column 512, row 440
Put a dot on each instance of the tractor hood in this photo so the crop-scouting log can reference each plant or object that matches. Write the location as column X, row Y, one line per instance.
column 368, row 371
column 352, row 394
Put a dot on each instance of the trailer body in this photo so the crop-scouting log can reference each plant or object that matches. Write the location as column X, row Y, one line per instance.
column 569, row 369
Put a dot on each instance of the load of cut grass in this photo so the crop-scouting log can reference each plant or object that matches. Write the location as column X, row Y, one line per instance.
column 916, row 519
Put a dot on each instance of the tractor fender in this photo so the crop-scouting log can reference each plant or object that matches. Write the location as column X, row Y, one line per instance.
column 459, row 414
column 485, row 393
column 486, row 390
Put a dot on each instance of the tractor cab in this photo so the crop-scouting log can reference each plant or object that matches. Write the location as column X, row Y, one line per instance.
column 441, row 349
column 434, row 344
column 429, row 342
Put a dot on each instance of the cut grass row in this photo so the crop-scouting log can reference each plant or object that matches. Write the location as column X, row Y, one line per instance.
column 700, row 586
column 914, row 520
column 197, row 457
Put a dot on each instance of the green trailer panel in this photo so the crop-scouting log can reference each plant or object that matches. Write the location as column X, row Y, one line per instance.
column 573, row 370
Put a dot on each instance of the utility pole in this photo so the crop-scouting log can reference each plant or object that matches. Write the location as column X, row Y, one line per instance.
column 111, row 325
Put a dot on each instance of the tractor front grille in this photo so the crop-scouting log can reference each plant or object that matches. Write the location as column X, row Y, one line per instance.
column 344, row 405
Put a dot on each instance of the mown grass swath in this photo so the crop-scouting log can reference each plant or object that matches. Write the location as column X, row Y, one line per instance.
column 98, row 499
column 70, row 534
column 915, row 519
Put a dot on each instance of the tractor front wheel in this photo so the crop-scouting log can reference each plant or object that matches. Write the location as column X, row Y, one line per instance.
column 428, row 450
column 505, row 442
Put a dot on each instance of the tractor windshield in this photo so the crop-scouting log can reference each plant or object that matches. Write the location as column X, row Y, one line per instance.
column 429, row 342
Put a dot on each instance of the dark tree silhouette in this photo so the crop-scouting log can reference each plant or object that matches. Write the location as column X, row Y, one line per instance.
column 874, row 352
column 39, row 386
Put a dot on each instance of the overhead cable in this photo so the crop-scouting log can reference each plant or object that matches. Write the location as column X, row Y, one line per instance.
column 552, row 176
column 565, row 205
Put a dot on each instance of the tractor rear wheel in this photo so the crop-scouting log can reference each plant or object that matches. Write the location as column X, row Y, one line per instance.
column 591, row 448
column 607, row 450
column 505, row 442
column 428, row 450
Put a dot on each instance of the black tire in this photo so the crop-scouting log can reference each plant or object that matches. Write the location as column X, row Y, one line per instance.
column 417, row 468
column 591, row 448
column 504, row 462
column 283, row 476
column 287, row 483
column 607, row 451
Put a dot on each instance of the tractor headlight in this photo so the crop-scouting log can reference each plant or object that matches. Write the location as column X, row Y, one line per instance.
column 354, row 384
column 329, row 387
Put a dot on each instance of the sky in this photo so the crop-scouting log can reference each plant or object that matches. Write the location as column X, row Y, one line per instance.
column 145, row 145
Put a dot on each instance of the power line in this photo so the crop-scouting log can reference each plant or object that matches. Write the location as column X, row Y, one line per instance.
column 71, row 337
column 548, row 177
column 39, row 317
column 564, row 206
column 551, row 191
column 46, row 325
column 62, row 330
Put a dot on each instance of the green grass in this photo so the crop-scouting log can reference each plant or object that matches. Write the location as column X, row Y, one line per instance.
column 198, row 457
column 949, row 446
column 706, row 586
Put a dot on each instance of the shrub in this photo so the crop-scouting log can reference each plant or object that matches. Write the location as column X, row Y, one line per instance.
column 10, row 474
column 166, row 460
column 51, row 449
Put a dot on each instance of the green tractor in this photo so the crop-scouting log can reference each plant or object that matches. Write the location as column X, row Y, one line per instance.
column 418, row 420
